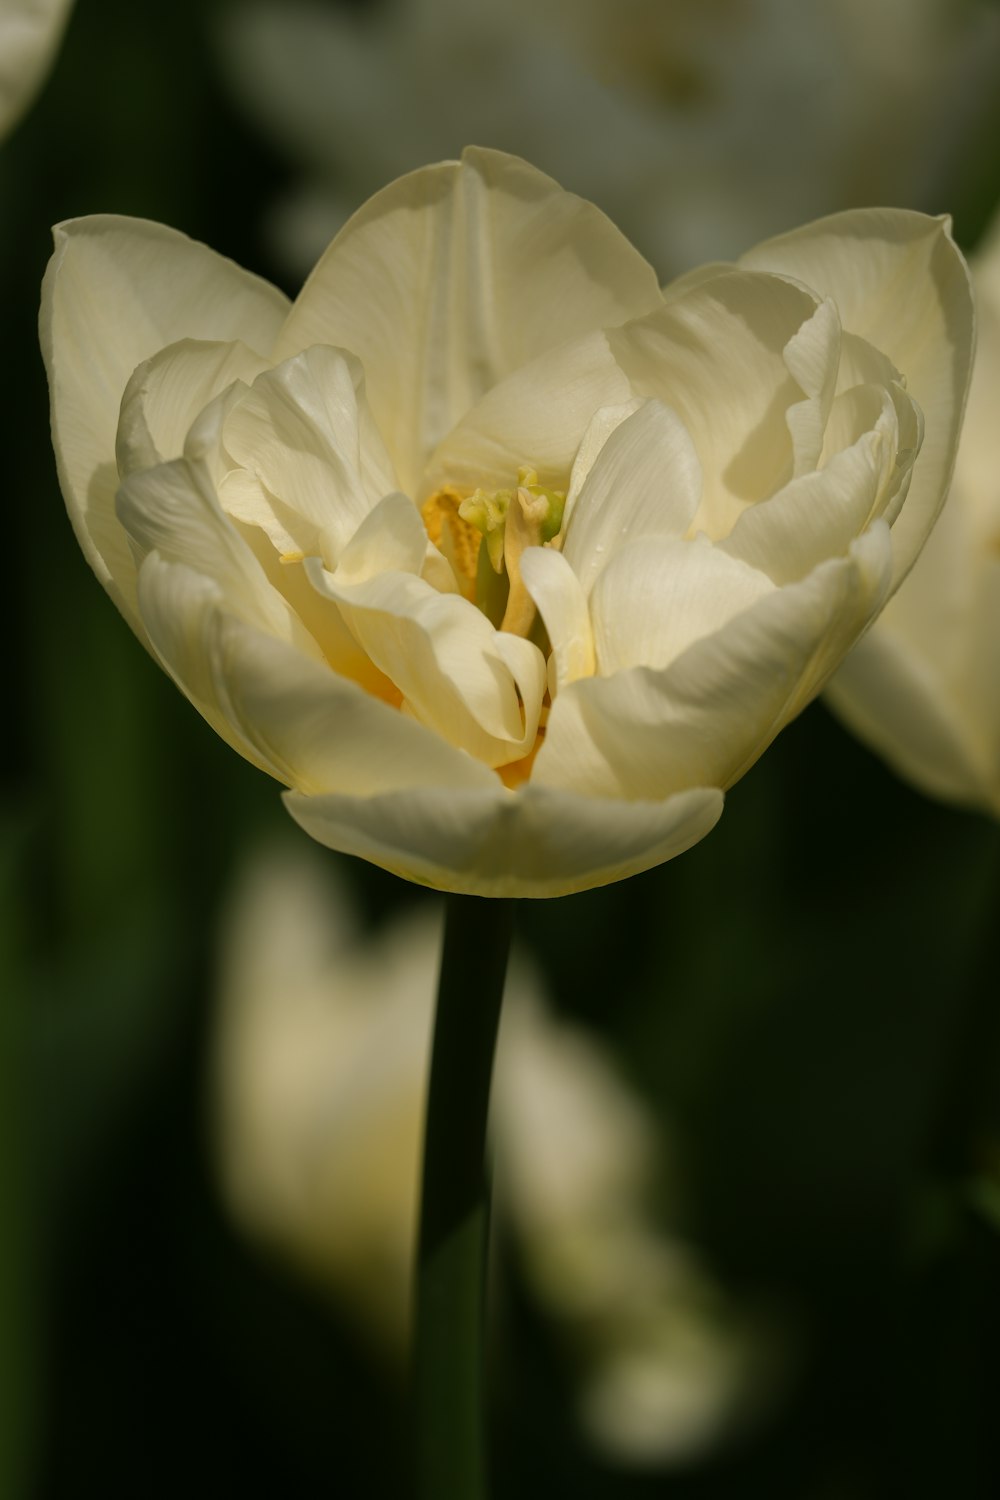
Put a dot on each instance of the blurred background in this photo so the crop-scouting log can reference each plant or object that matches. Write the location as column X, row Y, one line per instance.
column 763, row 1080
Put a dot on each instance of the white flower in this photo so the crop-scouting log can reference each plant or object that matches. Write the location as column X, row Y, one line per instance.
column 30, row 31
column 697, row 500
column 923, row 688
column 321, row 1057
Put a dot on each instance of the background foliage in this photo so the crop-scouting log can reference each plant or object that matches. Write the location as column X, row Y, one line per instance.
column 808, row 999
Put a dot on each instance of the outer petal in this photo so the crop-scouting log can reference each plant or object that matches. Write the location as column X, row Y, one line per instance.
column 116, row 291
column 899, row 281
column 539, row 841
column 456, row 275
column 708, row 716
column 289, row 715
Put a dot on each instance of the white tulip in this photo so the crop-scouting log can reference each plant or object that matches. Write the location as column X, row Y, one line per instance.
column 923, row 688
column 697, row 501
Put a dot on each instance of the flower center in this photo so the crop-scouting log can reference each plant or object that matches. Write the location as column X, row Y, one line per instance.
column 508, row 521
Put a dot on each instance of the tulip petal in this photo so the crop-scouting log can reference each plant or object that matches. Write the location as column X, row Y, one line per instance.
column 813, row 358
column 306, row 436
column 899, row 281
column 536, row 418
column 600, row 427
column 646, row 481
column 562, row 605
column 172, row 510
column 536, row 842
column 819, row 514
column 659, row 595
column 289, row 715
column 716, row 357
column 896, row 702
column 167, row 393
column 391, row 539
column 453, row 277
column 480, row 691
column 707, row 717
column 116, row 291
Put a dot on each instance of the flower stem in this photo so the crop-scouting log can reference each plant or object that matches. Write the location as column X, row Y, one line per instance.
column 454, row 1221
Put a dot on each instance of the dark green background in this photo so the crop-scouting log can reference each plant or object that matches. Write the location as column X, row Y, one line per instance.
column 808, row 997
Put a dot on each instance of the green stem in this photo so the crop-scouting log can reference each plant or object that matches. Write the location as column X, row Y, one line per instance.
column 451, row 1269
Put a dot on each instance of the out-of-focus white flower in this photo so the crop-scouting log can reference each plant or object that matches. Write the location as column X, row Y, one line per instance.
column 322, row 1051
column 30, row 32
column 923, row 688
column 700, row 126
column 504, row 561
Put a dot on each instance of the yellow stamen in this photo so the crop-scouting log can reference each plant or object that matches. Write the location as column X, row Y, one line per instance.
column 511, row 520
column 451, row 532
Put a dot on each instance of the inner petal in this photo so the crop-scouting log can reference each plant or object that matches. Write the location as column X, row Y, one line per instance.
column 310, row 463
column 480, row 689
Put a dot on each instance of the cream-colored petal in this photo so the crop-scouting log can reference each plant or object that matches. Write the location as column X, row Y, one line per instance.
column 116, row 291
column 716, row 357
column 453, row 277
column 562, row 604
column 600, row 427
column 172, row 510
column 706, row 718
column 900, row 282
column 391, row 538
column 894, row 699
column 818, row 515
column 289, row 715
column 646, row 481
column 320, row 616
column 167, row 393
column 443, row 655
column 813, row 359
column 659, row 595
column 305, row 434
column 536, row 842
column 537, row 417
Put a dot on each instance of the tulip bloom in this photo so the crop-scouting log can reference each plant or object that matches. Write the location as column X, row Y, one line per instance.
column 923, row 688
column 503, row 560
